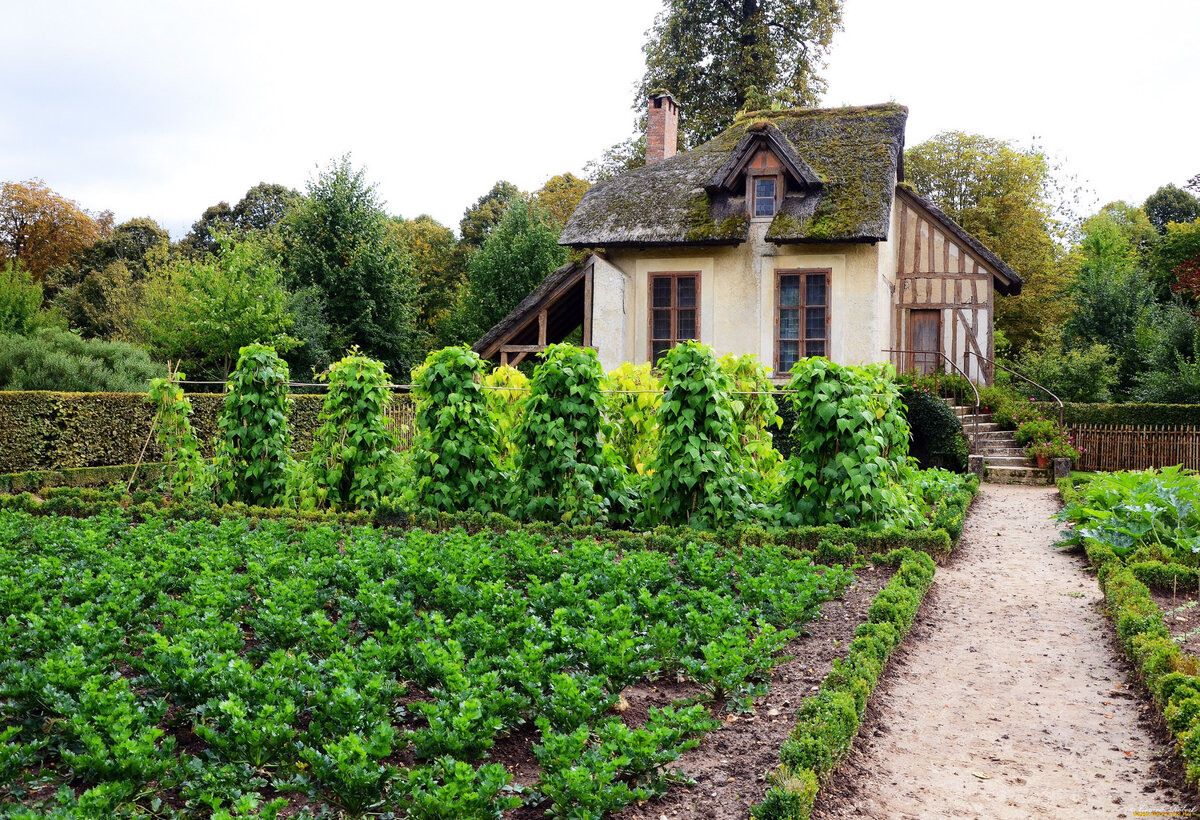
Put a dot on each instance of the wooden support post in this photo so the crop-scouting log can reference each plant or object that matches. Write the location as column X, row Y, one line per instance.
column 542, row 327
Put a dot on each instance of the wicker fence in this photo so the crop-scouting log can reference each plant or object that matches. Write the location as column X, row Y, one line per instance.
column 1113, row 447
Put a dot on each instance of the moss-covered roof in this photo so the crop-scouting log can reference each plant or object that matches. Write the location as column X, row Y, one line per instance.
column 855, row 152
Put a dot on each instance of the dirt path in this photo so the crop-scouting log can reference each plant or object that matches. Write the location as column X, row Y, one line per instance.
column 1010, row 699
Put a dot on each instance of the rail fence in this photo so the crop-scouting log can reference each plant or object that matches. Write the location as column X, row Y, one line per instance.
column 1119, row 447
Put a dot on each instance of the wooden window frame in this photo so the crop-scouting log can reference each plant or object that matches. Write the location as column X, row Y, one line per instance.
column 750, row 199
column 803, row 340
column 650, row 308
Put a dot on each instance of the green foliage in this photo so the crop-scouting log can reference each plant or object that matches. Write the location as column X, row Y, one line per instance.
column 439, row 264
column 58, row 360
column 937, row 433
column 939, row 383
column 850, row 443
column 351, row 771
column 252, row 459
column 754, row 413
column 449, row 788
column 480, row 219
column 565, row 470
column 204, row 312
column 1036, row 430
column 454, row 455
column 1073, row 374
column 634, row 397
column 1004, row 197
column 506, row 389
column 354, row 461
column 714, row 57
column 1170, row 204
column 516, row 255
column 1139, row 516
column 337, row 241
column 695, row 477
column 185, row 471
column 20, row 300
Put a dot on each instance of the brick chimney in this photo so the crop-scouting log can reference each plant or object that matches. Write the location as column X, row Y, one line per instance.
column 662, row 128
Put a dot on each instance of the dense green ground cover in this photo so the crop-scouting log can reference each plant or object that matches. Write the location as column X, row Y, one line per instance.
column 189, row 668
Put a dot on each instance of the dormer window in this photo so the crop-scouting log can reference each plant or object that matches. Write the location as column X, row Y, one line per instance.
column 764, row 196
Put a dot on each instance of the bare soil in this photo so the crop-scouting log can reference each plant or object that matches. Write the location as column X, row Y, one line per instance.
column 1010, row 699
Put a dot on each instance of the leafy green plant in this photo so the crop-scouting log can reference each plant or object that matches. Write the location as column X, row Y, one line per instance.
column 582, row 780
column 354, row 461
column 114, row 736
column 754, row 413
column 1031, row 432
column 349, row 768
column 506, row 389
column 634, row 395
column 449, row 789
column 246, row 732
column 454, row 455
column 694, row 478
column 253, row 440
column 566, row 471
column 850, row 443
column 185, row 473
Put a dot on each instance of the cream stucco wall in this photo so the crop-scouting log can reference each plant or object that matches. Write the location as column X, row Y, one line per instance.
column 737, row 297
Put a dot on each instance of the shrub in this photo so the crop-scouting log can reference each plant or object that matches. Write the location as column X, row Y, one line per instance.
column 59, row 360
column 20, row 300
column 1031, row 432
column 354, row 460
column 454, row 456
column 695, row 477
column 937, row 433
column 252, row 437
column 565, row 469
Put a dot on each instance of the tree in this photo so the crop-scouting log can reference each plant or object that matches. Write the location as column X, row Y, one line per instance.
column 42, row 229
column 204, row 312
column 710, row 53
column 439, row 263
column 1002, row 196
column 481, row 218
column 1170, row 204
column 136, row 243
column 337, row 241
column 521, row 251
column 20, row 299
column 620, row 158
column 262, row 208
column 559, row 196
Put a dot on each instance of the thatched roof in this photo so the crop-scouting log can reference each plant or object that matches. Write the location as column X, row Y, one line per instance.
column 1007, row 280
column 846, row 161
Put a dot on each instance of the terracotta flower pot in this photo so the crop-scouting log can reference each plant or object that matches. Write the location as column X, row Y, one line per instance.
column 1043, row 462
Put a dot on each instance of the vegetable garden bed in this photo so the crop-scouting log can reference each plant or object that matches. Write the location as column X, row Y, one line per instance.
column 187, row 668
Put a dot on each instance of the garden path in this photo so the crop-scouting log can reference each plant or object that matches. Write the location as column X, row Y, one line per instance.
column 1010, row 698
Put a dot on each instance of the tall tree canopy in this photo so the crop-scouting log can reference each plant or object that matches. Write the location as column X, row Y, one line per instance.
column 42, row 229
column 338, row 242
column 712, row 54
column 439, row 263
column 1170, row 204
column 479, row 219
column 1001, row 195
column 263, row 207
column 559, row 196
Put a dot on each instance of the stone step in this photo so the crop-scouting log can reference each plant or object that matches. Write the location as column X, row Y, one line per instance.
column 993, row 460
column 970, row 418
column 983, row 427
column 995, row 434
column 1019, row 475
column 1002, row 452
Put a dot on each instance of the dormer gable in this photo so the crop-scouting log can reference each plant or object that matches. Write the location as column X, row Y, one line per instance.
column 761, row 174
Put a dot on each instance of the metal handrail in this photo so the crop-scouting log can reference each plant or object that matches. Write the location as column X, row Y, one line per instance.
column 993, row 363
column 959, row 370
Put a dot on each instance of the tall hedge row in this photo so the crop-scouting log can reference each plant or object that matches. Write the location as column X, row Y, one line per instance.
column 1133, row 415
column 41, row 430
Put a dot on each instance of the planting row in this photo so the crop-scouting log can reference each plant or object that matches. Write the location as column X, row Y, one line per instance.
column 690, row 444
column 191, row 668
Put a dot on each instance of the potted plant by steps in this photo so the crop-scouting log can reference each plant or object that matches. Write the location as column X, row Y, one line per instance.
column 1059, row 446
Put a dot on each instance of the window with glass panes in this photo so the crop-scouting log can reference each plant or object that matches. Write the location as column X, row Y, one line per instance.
column 801, row 316
column 674, row 310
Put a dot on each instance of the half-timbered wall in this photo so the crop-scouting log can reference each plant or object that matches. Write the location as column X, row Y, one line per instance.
column 937, row 272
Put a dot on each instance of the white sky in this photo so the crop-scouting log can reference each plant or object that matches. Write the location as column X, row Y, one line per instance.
column 162, row 108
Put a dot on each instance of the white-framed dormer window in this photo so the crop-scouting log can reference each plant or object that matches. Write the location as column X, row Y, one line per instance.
column 765, row 191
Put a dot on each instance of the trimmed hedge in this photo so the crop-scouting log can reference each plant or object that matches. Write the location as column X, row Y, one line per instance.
column 828, row 721
column 36, row 480
column 54, row 431
column 1172, row 677
column 1133, row 415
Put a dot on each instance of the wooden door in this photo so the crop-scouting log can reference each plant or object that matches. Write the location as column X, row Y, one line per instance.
column 925, row 338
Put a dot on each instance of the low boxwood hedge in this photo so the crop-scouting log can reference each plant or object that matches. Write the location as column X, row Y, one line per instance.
column 828, row 721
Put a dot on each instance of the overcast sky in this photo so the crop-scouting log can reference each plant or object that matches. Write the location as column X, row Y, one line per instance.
column 163, row 108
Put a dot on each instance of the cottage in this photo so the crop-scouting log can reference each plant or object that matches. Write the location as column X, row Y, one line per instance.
column 790, row 234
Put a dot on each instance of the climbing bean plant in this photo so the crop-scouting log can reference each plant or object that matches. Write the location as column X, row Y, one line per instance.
column 566, row 470
column 506, row 389
column 252, row 460
column 851, row 447
column 754, row 413
column 695, row 477
column 354, row 460
column 185, row 473
column 454, row 455
column 634, row 394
